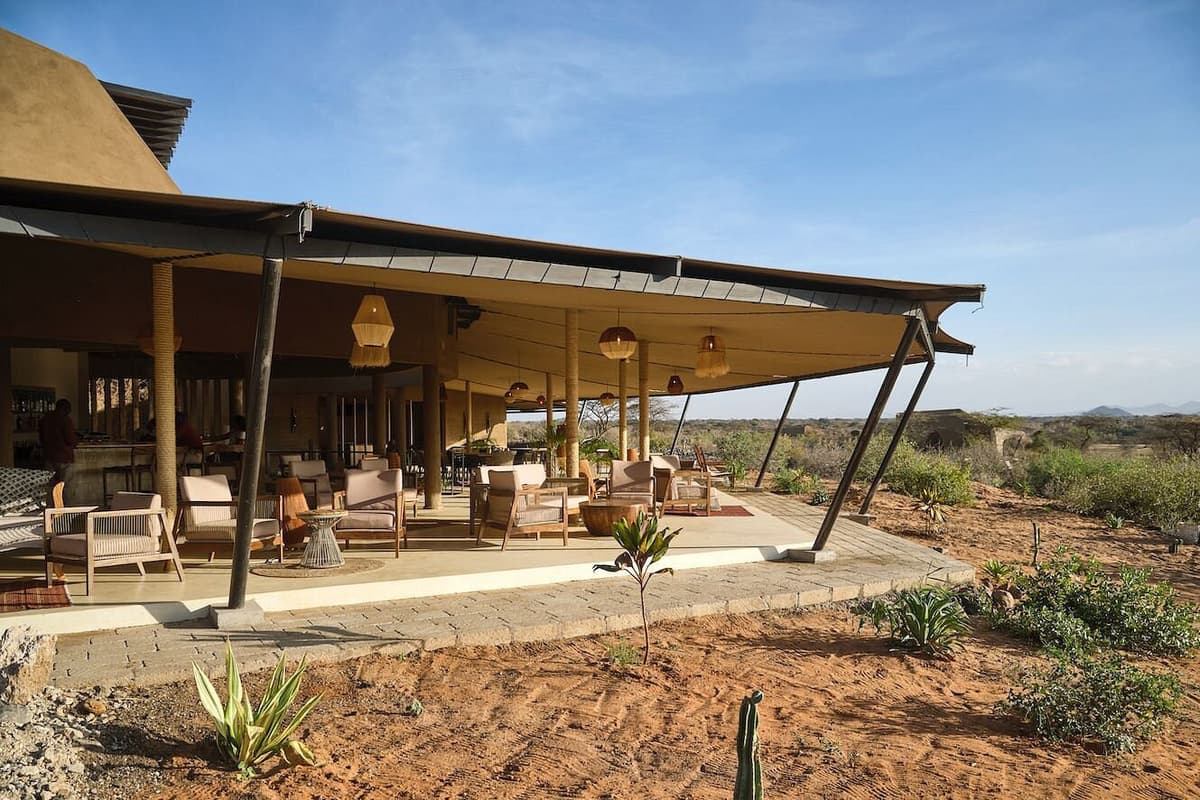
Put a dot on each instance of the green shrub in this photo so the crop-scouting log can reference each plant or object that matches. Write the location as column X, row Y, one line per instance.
column 1127, row 612
column 621, row 654
column 1160, row 493
column 744, row 450
column 1094, row 700
column 1050, row 474
column 793, row 481
column 1050, row 627
column 928, row 618
column 916, row 472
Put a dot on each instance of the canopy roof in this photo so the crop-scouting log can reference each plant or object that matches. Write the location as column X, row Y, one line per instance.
column 778, row 325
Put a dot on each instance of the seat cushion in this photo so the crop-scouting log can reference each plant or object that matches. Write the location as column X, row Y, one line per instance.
column 358, row 520
column 685, row 491
column 112, row 544
column 573, row 501
column 225, row 530
column 538, row 513
column 633, row 497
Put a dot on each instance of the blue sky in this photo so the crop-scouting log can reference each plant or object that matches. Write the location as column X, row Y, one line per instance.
column 1048, row 150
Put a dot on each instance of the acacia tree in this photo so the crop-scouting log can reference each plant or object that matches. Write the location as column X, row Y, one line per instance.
column 1179, row 433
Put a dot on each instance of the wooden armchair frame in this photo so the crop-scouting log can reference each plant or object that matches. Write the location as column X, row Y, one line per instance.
column 90, row 560
column 536, row 528
column 214, row 547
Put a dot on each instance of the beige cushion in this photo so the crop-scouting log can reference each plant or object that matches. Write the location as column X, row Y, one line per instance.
column 373, row 489
column 367, row 520
column 110, row 544
column 530, row 474
column 206, row 488
column 225, row 530
column 632, row 477
column 374, row 464
column 307, row 469
column 573, row 501
column 645, row 498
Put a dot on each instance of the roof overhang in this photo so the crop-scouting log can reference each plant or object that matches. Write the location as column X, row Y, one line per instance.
column 780, row 325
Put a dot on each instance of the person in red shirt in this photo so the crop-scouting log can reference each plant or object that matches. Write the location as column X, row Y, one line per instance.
column 57, row 434
column 185, row 434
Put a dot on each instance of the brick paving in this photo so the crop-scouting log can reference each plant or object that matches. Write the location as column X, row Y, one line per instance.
column 869, row 563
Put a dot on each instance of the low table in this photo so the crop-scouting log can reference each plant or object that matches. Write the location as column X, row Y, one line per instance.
column 599, row 516
column 322, row 551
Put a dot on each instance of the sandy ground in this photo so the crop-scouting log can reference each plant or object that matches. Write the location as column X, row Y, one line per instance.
column 843, row 716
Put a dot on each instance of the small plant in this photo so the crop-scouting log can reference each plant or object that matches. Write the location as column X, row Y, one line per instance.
column 1094, row 700
column 414, row 708
column 928, row 618
column 643, row 545
column 997, row 573
column 820, row 497
column 1113, row 521
column 1049, row 627
column 787, row 481
column 933, row 510
column 621, row 654
column 748, row 784
column 246, row 735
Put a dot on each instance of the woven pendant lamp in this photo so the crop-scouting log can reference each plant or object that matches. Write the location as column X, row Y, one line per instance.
column 675, row 385
column 710, row 358
column 607, row 399
column 372, row 324
column 370, row 357
column 618, row 342
column 519, row 391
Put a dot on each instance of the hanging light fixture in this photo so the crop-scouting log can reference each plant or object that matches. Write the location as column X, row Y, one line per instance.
column 710, row 358
column 370, row 357
column 607, row 399
column 145, row 340
column 508, row 397
column 618, row 342
column 541, row 401
column 372, row 324
column 675, row 385
column 519, row 390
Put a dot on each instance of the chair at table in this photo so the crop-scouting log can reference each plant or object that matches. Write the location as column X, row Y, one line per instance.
column 314, row 479
column 665, row 468
column 133, row 532
column 373, row 463
column 690, row 490
column 207, row 517
column 292, row 503
column 717, row 469
column 374, row 501
column 594, row 483
column 131, row 475
column 633, row 482
column 514, row 508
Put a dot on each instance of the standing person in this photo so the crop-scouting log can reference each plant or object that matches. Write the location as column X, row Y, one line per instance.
column 57, row 434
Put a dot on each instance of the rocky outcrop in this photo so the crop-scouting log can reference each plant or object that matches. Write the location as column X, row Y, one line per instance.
column 26, row 659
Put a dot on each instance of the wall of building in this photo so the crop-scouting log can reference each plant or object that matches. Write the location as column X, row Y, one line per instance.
column 48, row 367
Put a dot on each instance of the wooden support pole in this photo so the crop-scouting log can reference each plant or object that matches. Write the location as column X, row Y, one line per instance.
column 896, row 437
column 571, row 341
column 380, row 418
column 432, row 439
column 623, row 408
column 84, row 384
column 644, row 401
column 787, row 407
column 163, row 311
column 864, row 438
column 256, row 424
column 468, row 415
column 7, row 421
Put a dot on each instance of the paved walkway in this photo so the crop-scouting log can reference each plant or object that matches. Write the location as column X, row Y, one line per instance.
column 869, row 563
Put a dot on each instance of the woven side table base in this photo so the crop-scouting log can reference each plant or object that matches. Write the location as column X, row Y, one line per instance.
column 322, row 551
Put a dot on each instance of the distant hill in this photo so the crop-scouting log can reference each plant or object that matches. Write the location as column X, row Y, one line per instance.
column 1107, row 411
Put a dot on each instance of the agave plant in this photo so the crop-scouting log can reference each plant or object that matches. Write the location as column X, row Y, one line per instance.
column 928, row 618
column 248, row 735
column 933, row 509
column 998, row 573
column 643, row 545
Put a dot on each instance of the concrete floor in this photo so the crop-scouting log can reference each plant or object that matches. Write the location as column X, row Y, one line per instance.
column 442, row 559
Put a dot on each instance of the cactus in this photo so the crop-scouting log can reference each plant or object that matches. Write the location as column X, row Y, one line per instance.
column 749, row 771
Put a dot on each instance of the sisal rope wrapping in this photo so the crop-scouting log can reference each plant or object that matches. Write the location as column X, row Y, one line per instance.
column 644, row 401
column 163, row 297
column 623, row 408
column 572, row 391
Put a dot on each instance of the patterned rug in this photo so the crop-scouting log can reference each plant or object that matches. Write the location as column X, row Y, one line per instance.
column 725, row 511
column 30, row 595
column 353, row 566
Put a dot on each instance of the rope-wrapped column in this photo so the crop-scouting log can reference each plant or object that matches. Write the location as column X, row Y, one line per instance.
column 468, row 414
column 163, row 300
column 551, row 452
column 622, row 408
column 432, row 435
column 644, row 401
column 571, row 342
column 379, row 401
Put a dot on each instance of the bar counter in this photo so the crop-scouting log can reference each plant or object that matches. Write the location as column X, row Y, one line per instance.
column 86, row 484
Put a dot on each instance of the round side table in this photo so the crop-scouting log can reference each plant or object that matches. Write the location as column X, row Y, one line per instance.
column 322, row 551
column 599, row 516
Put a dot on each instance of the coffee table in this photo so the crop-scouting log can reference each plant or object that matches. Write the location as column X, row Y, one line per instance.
column 599, row 516
column 322, row 551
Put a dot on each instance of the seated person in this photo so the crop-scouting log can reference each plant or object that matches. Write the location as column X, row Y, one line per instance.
column 185, row 434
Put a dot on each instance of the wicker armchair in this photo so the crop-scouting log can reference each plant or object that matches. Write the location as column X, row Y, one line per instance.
column 523, row 510
column 633, row 481
column 374, row 501
column 133, row 532
column 207, row 521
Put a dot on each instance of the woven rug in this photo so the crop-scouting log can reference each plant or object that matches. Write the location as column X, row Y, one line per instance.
column 353, row 566
column 725, row 511
column 30, row 595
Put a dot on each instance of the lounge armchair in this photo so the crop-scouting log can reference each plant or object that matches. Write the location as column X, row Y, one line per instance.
column 207, row 517
column 314, row 479
column 523, row 510
column 374, row 501
column 292, row 503
column 373, row 464
column 690, row 490
column 633, row 482
column 717, row 469
column 22, row 506
column 131, row 533
column 529, row 476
